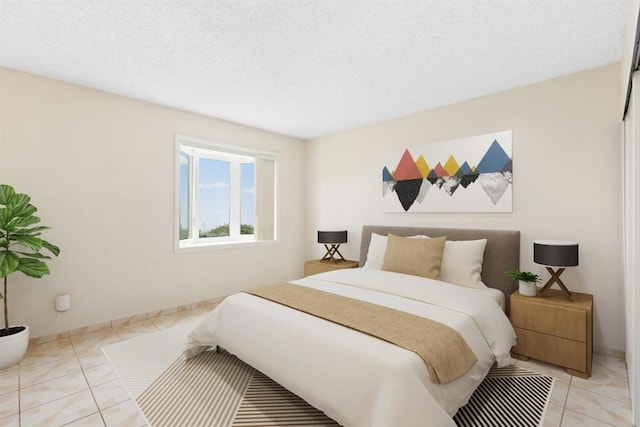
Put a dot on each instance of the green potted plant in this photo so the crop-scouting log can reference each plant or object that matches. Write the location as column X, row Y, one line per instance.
column 20, row 250
column 527, row 279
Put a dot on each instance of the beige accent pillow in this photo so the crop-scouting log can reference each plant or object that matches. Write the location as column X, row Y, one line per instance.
column 377, row 248
column 418, row 257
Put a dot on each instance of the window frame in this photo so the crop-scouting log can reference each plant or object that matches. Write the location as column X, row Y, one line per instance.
column 219, row 151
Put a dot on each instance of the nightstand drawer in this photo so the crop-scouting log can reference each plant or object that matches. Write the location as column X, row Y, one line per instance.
column 560, row 351
column 558, row 321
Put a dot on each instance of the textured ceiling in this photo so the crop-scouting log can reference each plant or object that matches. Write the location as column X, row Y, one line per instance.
column 308, row 68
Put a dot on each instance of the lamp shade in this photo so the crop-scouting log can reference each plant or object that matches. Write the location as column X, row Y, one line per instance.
column 555, row 253
column 332, row 236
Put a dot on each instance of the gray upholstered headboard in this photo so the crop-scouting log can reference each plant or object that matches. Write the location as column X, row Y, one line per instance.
column 501, row 254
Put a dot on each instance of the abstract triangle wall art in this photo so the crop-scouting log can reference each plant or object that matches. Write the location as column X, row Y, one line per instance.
column 473, row 174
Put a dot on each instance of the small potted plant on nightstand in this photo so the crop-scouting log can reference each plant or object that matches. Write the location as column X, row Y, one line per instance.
column 527, row 281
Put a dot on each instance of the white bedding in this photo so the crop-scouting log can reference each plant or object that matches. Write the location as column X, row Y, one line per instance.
column 356, row 379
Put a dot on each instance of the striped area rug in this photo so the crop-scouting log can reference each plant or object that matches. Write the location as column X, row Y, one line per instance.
column 510, row 396
column 193, row 394
column 267, row 403
column 217, row 389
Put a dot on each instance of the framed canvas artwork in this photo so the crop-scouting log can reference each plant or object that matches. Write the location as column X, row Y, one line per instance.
column 473, row 174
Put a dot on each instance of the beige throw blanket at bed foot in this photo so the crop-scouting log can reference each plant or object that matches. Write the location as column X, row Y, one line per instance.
column 442, row 348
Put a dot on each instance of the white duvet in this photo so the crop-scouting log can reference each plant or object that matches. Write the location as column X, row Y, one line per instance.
column 356, row 379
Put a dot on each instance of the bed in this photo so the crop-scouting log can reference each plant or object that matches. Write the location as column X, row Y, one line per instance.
column 359, row 380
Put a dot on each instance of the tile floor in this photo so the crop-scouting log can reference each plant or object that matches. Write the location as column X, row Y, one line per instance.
column 69, row 382
column 601, row 401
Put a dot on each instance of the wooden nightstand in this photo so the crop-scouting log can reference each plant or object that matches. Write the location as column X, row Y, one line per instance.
column 316, row 266
column 555, row 330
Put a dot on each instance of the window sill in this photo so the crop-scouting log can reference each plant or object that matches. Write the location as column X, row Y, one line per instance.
column 210, row 246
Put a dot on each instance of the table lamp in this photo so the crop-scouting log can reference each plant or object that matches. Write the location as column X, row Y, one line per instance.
column 333, row 238
column 555, row 254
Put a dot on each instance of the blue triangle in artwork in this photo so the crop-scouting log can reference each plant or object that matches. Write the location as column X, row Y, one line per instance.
column 386, row 175
column 494, row 159
column 465, row 169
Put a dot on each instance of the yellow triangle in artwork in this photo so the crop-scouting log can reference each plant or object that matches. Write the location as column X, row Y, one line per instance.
column 423, row 167
column 451, row 166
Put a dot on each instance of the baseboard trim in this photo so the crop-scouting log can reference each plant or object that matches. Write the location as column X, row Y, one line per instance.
column 617, row 354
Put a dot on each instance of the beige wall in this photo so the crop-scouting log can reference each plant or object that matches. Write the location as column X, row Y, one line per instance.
column 100, row 168
column 567, row 178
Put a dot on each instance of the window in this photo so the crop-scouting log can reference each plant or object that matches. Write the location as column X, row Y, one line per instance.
column 225, row 194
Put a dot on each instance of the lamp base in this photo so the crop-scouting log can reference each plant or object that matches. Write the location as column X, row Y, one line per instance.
column 555, row 278
column 331, row 251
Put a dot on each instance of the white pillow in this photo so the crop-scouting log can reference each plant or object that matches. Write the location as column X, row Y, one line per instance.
column 377, row 249
column 461, row 259
column 462, row 262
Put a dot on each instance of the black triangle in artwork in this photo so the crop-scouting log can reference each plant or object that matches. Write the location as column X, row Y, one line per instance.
column 468, row 179
column 407, row 191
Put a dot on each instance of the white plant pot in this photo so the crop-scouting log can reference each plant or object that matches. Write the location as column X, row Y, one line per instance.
column 13, row 348
column 528, row 289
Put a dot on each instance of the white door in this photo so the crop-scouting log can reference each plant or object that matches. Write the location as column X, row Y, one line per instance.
column 632, row 244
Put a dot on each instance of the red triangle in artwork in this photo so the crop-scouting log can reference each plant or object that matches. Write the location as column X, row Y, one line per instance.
column 407, row 168
column 440, row 171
